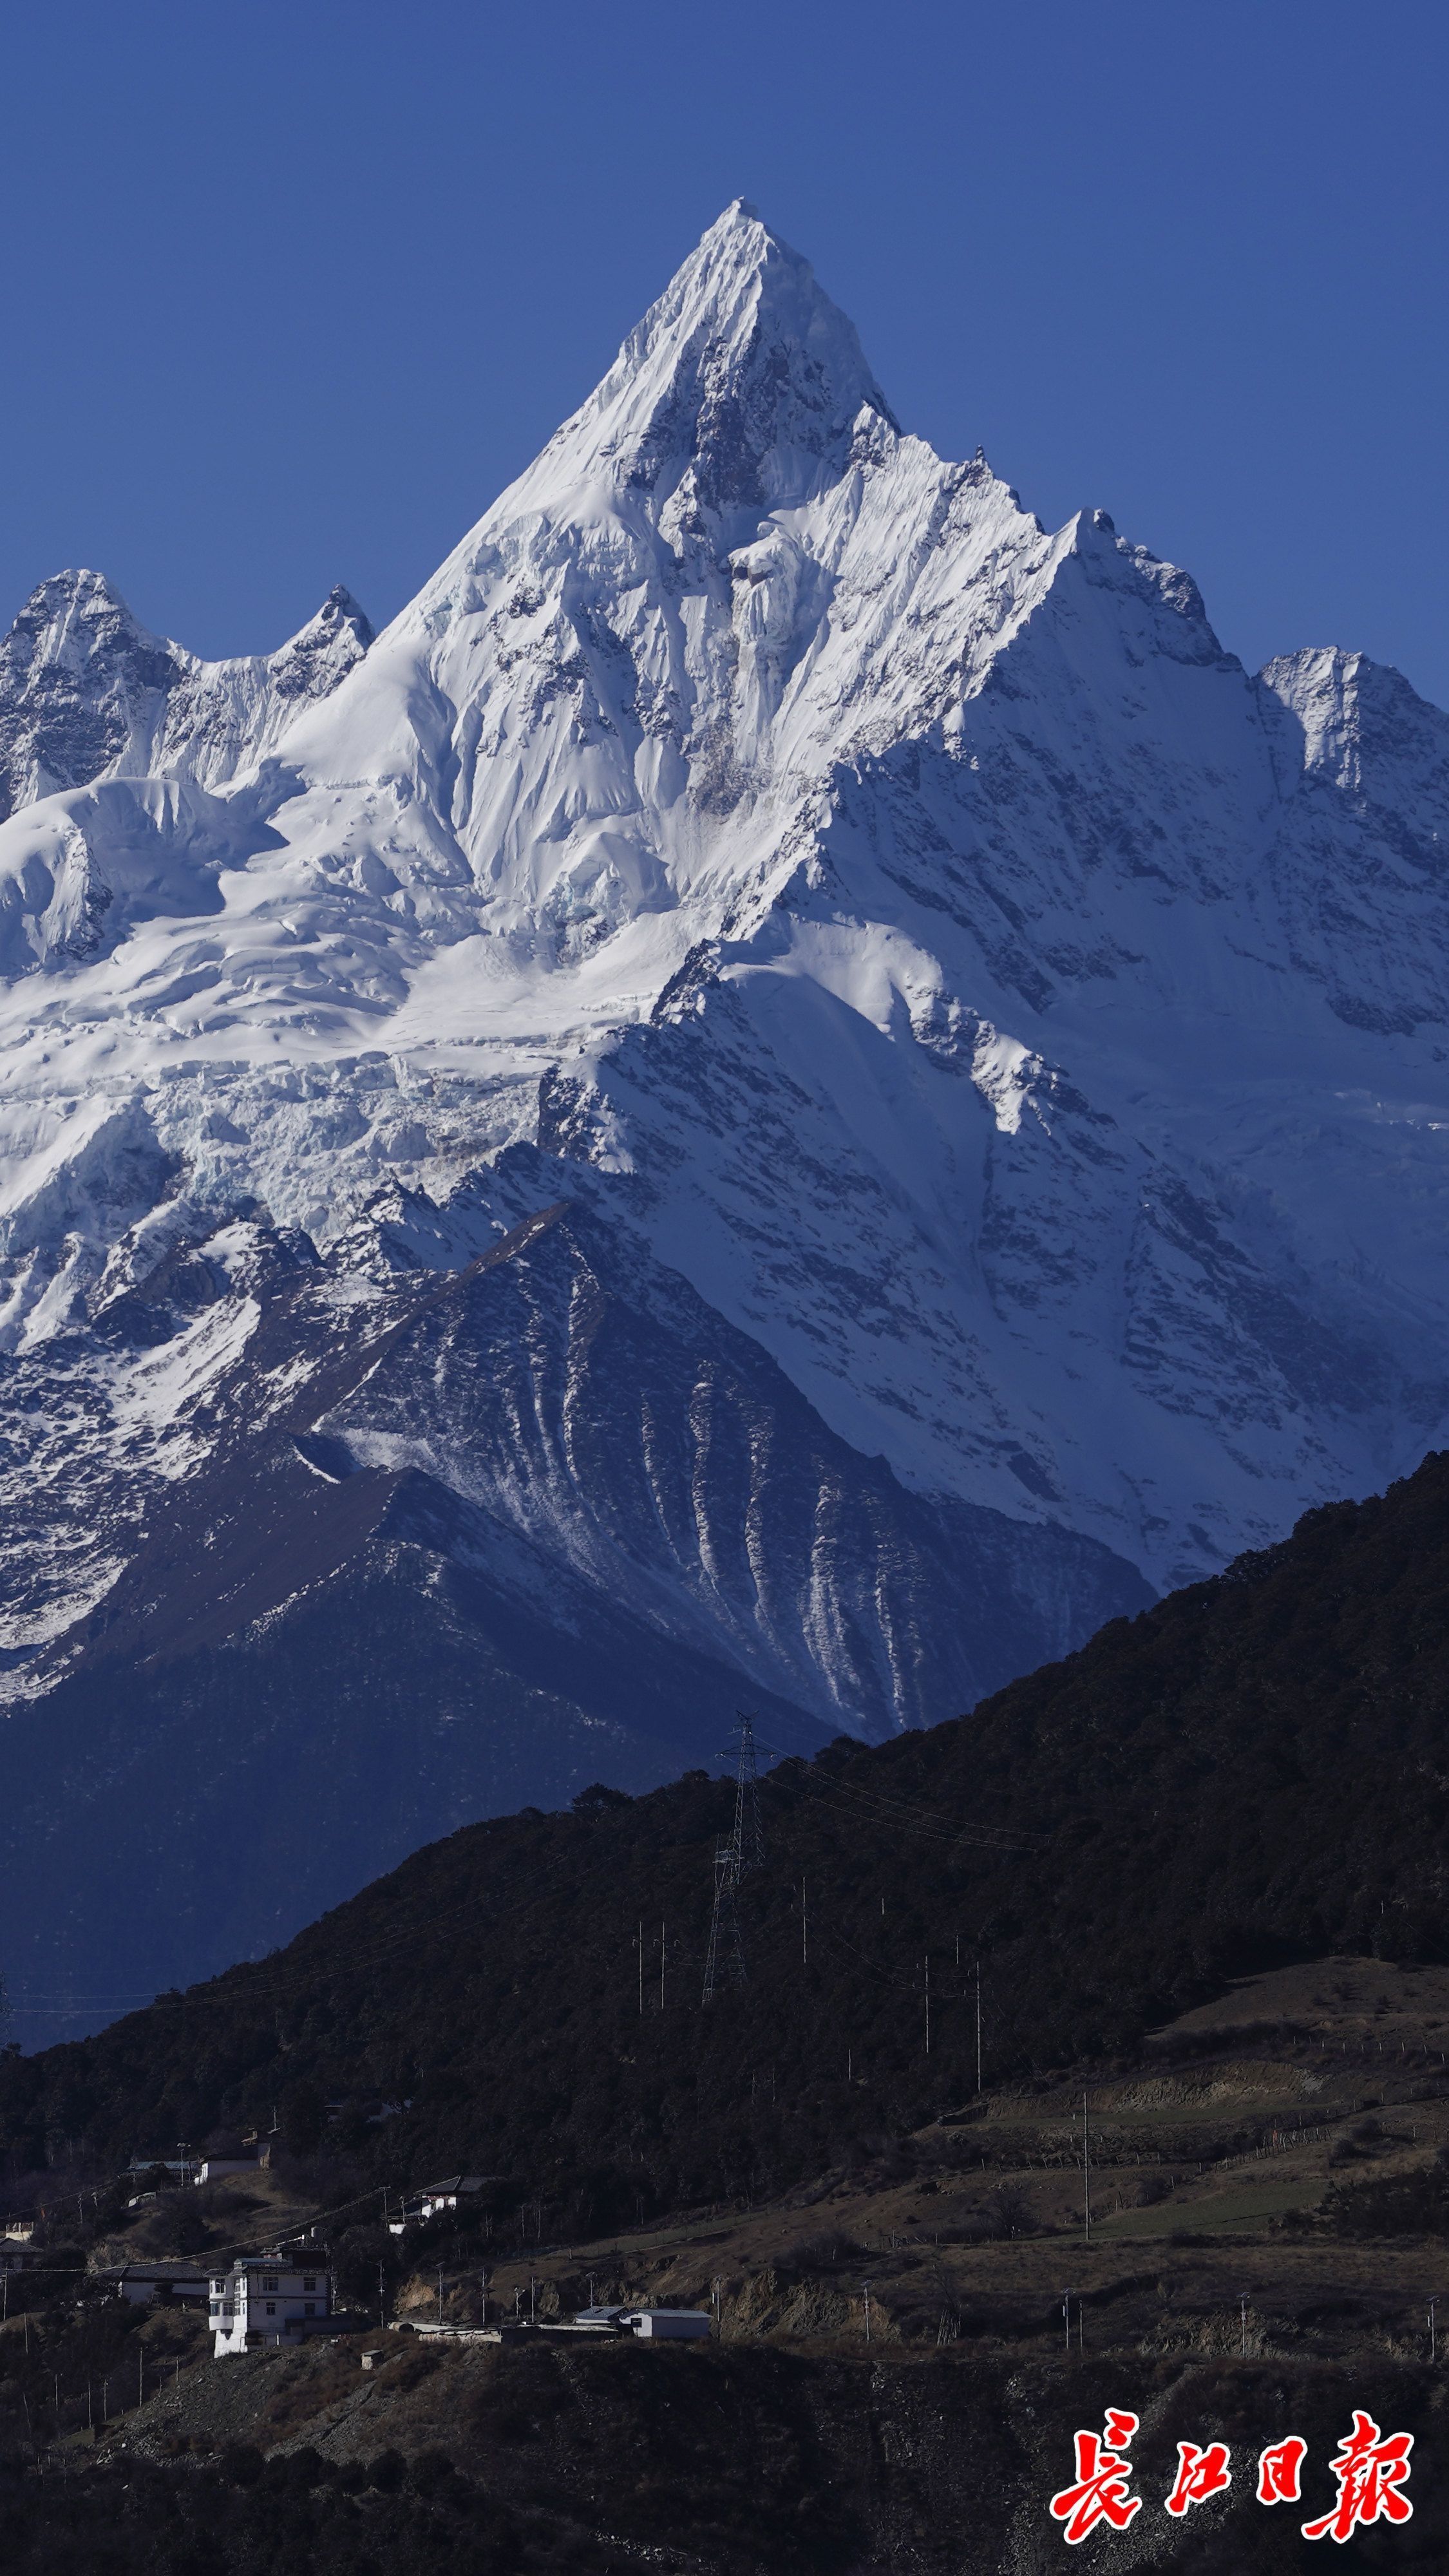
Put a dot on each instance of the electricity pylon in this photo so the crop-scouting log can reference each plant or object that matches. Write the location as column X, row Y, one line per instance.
column 725, row 1960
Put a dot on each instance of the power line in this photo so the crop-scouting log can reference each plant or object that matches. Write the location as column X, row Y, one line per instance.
column 725, row 1959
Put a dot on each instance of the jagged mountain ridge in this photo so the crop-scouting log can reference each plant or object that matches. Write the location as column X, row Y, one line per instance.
column 86, row 692
column 906, row 925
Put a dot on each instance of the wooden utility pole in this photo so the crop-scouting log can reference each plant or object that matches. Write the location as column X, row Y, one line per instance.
column 978, row 2025
column 661, row 1964
column 928, row 2003
column 1086, row 2169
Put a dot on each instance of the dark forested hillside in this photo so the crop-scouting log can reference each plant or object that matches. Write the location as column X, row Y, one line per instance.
column 1257, row 1766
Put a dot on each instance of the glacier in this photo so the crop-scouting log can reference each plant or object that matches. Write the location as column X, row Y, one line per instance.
column 939, row 986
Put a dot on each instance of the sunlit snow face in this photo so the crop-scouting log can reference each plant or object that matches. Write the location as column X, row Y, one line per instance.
column 999, row 1004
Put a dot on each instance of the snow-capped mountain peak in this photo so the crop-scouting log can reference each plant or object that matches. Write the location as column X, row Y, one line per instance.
column 83, row 687
column 994, row 1052
column 747, row 753
column 744, row 374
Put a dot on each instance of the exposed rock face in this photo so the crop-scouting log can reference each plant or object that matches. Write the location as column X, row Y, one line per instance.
column 86, row 693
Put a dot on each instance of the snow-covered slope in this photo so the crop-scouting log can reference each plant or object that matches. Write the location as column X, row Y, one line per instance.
column 903, row 924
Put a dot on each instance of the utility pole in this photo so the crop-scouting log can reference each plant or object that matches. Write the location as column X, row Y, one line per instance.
column 639, row 1946
column 1086, row 2169
column 804, row 1927
column 483, row 2298
column 1433, row 2341
column 440, row 2294
column 1067, row 2314
column 745, row 1850
column 661, row 1964
column 381, row 2295
column 1243, row 2314
column 928, row 2003
column 532, row 2298
column 865, row 2285
column 978, row 2025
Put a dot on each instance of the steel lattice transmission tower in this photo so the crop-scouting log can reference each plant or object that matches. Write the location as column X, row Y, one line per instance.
column 725, row 1961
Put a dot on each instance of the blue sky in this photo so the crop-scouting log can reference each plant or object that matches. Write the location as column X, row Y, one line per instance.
column 292, row 291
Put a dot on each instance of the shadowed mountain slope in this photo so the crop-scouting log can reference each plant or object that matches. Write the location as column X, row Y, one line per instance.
column 1252, row 1769
column 390, row 1553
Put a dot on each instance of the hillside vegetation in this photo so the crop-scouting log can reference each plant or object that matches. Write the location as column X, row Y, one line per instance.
column 1252, row 1770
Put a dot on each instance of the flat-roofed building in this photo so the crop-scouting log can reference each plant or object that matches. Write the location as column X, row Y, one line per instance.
column 167, row 2278
column 667, row 2325
column 268, row 2298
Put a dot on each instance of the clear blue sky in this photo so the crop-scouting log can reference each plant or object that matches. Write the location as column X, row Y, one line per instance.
column 291, row 291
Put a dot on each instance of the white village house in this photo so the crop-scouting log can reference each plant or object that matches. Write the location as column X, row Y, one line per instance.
column 455, row 2191
column 653, row 2325
column 268, row 2298
column 170, row 2277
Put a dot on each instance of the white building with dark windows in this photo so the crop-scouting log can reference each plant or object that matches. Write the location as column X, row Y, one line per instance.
column 268, row 2298
column 170, row 2278
column 455, row 2191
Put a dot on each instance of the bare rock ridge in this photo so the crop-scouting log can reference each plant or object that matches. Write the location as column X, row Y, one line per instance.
column 912, row 947
column 87, row 693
